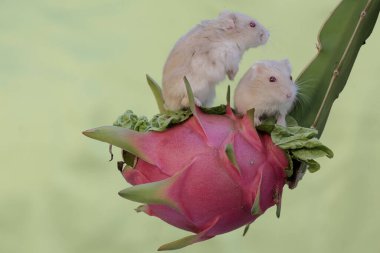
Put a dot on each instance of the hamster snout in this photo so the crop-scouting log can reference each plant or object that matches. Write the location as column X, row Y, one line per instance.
column 269, row 88
column 292, row 93
column 264, row 36
column 259, row 35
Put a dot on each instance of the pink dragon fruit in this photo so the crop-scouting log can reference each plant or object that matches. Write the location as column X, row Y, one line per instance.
column 209, row 175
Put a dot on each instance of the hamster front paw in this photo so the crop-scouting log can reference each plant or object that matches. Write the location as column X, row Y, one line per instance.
column 281, row 120
column 231, row 74
column 257, row 121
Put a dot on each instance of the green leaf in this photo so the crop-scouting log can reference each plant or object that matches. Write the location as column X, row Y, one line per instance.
column 312, row 166
column 339, row 41
column 159, row 122
column 306, row 154
column 300, row 144
column 289, row 169
column 219, row 110
column 286, row 136
column 290, row 121
column 129, row 158
column 267, row 125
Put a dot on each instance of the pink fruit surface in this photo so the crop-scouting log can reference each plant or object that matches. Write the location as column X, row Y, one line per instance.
column 209, row 175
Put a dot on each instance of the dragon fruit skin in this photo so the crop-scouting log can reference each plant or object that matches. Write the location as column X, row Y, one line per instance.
column 209, row 175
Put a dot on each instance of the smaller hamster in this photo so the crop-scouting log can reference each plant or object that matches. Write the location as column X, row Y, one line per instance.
column 269, row 88
column 206, row 54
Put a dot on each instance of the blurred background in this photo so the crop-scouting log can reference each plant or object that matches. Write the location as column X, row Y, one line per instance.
column 67, row 66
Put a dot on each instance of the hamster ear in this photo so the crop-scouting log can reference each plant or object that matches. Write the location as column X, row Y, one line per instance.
column 249, row 76
column 228, row 20
column 286, row 63
column 224, row 13
column 258, row 68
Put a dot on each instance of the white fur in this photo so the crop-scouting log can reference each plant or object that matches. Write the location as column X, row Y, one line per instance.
column 268, row 98
column 206, row 54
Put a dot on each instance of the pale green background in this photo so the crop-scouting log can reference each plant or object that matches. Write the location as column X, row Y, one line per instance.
column 66, row 66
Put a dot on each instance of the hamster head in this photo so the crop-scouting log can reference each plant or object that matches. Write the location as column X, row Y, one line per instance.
column 268, row 87
column 247, row 32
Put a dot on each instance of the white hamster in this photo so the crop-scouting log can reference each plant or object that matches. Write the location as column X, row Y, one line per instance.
column 206, row 54
column 269, row 88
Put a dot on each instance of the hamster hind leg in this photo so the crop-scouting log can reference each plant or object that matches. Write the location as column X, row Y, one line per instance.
column 210, row 97
column 201, row 92
column 172, row 104
column 281, row 120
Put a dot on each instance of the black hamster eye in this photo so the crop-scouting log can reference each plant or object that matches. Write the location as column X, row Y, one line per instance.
column 291, row 78
column 252, row 24
column 272, row 79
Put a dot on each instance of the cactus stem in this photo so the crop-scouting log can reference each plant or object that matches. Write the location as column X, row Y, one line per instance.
column 341, row 60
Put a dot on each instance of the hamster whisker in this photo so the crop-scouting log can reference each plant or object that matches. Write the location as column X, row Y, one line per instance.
column 304, row 82
column 301, row 100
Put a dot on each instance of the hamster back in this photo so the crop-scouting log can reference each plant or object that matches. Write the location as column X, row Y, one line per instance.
column 206, row 54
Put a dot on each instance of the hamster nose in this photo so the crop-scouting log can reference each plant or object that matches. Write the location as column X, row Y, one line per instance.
column 264, row 36
column 289, row 95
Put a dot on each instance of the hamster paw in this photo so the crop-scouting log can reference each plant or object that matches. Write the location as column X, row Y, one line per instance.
column 185, row 102
column 231, row 74
column 281, row 120
column 257, row 121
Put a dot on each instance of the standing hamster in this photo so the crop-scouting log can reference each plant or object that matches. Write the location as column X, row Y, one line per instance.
column 206, row 54
column 269, row 88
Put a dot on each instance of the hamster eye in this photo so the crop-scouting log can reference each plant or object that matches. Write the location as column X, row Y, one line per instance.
column 252, row 24
column 291, row 78
column 272, row 79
